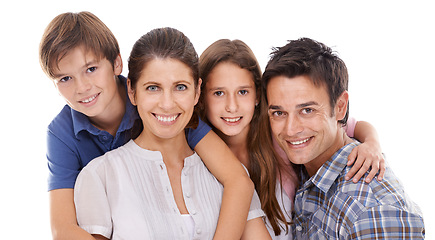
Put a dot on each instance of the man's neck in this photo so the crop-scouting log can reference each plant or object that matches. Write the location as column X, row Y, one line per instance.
column 341, row 140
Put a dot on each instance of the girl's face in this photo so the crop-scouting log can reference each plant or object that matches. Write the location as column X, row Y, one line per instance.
column 230, row 99
column 165, row 96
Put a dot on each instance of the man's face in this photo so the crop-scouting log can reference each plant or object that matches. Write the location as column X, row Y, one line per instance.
column 302, row 120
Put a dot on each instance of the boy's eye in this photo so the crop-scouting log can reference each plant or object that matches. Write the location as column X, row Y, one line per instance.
column 243, row 92
column 91, row 69
column 65, row 79
column 181, row 87
column 152, row 88
column 218, row 93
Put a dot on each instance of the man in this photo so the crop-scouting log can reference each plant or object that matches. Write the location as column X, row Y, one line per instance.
column 306, row 87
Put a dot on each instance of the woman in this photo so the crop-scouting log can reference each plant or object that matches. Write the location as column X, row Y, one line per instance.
column 231, row 101
column 155, row 186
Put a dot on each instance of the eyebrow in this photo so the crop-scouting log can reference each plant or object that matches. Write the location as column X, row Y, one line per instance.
column 302, row 105
column 220, row 88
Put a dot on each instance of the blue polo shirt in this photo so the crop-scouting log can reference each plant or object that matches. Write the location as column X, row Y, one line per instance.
column 72, row 142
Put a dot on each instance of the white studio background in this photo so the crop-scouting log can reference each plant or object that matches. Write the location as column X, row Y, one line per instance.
column 388, row 47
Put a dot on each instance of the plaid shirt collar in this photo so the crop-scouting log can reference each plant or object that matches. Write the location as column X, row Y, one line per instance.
column 330, row 170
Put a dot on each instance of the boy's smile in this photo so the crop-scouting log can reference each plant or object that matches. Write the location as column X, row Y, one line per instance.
column 89, row 84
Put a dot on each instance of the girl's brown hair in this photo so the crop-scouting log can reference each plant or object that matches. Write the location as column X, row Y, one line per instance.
column 263, row 165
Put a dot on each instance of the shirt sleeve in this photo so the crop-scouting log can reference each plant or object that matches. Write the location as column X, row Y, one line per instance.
column 63, row 163
column 195, row 135
column 92, row 206
column 350, row 127
column 388, row 222
column 255, row 210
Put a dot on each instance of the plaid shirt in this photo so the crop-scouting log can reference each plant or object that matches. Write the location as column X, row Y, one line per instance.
column 329, row 207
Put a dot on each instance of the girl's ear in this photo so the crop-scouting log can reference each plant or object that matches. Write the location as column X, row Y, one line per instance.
column 198, row 91
column 131, row 92
column 117, row 65
column 341, row 106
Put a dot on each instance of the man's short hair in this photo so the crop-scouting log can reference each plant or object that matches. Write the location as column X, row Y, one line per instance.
column 313, row 59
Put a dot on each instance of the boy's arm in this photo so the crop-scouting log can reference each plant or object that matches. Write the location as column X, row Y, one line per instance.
column 367, row 155
column 238, row 187
column 63, row 216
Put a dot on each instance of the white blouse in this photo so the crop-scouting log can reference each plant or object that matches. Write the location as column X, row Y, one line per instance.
column 126, row 194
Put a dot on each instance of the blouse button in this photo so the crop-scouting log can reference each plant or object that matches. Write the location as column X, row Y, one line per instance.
column 198, row 231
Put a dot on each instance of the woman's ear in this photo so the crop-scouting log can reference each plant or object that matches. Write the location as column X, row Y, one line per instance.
column 130, row 92
column 198, row 91
column 341, row 106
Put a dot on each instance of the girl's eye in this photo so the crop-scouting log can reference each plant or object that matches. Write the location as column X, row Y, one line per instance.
column 91, row 69
column 152, row 88
column 181, row 87
column 218, row 93
column 65, row 79
column 243, row 92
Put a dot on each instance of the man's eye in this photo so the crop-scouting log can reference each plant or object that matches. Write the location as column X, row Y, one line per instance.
column 307, row 110
column 91, row 69
column 181, row 87
column 218, row 93
column 277, row 114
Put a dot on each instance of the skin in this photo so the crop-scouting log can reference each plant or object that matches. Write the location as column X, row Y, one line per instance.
column 230, row 101
column 83, row 84
column 303, row 122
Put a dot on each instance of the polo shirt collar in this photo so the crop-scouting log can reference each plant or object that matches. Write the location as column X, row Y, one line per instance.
column 81, row 121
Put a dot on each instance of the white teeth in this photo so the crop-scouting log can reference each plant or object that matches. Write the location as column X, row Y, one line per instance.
column 166, row 119
column 232, row 119
column 89, row 99
column 300, row 142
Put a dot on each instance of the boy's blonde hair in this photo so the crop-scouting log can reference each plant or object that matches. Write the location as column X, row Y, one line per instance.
column 70, row 30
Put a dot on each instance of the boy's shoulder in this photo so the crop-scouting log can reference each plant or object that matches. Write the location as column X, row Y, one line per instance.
column 63, row 120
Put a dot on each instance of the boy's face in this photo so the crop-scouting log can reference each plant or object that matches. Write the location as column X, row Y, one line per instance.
column 88, row 86
column 303, row 121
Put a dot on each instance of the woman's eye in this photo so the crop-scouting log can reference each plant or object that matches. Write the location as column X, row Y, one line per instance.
column 152, row 88
column 91, row 69
column 243, row 92
column 181, row 87
column 218, row 93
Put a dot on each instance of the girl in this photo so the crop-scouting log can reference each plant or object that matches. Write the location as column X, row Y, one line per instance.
column 233, row 103
column 155, row 186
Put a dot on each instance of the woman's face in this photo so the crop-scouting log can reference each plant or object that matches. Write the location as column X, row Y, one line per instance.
column 165, row 96
column 230, row 99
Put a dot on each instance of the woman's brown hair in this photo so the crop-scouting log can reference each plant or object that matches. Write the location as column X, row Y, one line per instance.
column 263, row 161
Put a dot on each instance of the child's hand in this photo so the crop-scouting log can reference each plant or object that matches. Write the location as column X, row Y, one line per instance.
column 367, row 155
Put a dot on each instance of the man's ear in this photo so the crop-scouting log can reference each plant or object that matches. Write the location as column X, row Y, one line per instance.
column 117, row 65
column 130, row 92
column 341, row 106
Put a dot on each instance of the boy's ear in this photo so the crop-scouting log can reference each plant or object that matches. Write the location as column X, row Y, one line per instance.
column 117, row 65
column 130, row 92
column 341, row 106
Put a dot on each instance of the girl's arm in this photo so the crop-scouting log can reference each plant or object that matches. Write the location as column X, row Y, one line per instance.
column 367, row 155
column 255, row 229
column 238, row 187
column 63, row 216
